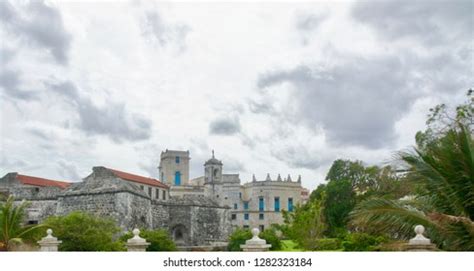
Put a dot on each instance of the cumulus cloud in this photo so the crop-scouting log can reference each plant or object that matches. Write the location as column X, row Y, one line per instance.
column 356, row 102
column 309, row 22
column 225, row 126
column 164, row 33
column 432, row 23
column 39, row 25
column 112, row 120
column 68, row 171
column 10, row 78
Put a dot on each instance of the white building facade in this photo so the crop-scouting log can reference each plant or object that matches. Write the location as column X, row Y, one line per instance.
column 253, row 204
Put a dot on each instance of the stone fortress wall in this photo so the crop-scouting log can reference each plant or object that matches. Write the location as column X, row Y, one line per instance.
column 196, row 212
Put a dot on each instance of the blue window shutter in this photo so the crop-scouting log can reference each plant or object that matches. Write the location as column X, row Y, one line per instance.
column 277, row 204
column 290, row 204
column 177, row 178
column 261, row 204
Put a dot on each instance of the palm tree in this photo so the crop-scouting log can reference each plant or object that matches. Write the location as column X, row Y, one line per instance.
column 12, row 229
column 443, row 172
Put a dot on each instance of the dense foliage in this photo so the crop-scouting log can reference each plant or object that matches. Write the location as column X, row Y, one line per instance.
column 431, row 185
column 305, row 225
column 239, row 236
column 80, row 231
column 442, row 169
column 159, row 240
column 12, row 230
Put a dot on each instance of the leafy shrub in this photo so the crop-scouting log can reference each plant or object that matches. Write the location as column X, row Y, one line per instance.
column 237, row 238
column 271, row 237
column 159, row 240
column 80, row 231
column 328, row 244
column 362, row 242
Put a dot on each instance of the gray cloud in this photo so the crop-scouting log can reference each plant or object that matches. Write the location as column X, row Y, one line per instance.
column 300, row 156
column 164, row 33
column 225, row 126
column 10, row 84
column 309, row 22
column 433, row 23
column 356, row 103
column 112, row 120
column 37, row 24
column 68, row 171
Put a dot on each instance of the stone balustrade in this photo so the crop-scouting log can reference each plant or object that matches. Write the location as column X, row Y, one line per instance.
column 256, row 243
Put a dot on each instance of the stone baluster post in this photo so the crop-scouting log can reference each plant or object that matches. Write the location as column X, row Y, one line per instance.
column 255, row 244
column 49, row 243
column 136, row 243
column 420, row 242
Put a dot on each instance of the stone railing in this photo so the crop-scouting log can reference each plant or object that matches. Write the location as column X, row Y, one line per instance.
column 256, row 243
column 134, row 244
column 420, row 242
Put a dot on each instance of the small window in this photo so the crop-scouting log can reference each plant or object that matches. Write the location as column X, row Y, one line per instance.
column 246, row 216
column 277, row 204
column 142, row 187
column 157, row 193
column 164, row 194
column 246, row 205
column 262, row 228
column 149, row 191
column 234, row 216
column 246, row 227
column 290, row 204
column 32, row 222
column 261, row 204
column 236, row 206
column 240, row 195
column 261, row 216
column 177, row 159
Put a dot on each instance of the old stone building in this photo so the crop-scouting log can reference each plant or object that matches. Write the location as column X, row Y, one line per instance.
column 197, row 212
column 253, row 204
column 131, row 200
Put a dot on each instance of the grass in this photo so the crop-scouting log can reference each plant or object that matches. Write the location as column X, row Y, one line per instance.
column 289, row 245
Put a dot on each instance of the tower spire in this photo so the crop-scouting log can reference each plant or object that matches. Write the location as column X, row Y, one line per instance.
column 253, row 178
column 213, row 154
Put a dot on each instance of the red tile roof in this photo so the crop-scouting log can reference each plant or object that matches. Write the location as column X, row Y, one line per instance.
column 138, row 179
column 30, row 180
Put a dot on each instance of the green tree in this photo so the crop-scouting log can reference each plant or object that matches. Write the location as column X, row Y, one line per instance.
column 12, row 229
column 81, row 231
column 361, row 177
column 339, row 201
column 159, row 240
column 237, row 238
column 444, row 202
column 440, row 120
column 305, row 225
column 272, row 238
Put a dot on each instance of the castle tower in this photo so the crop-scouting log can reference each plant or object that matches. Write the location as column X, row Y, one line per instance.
column 174, row 167
column 213, row 170
column 213, row 178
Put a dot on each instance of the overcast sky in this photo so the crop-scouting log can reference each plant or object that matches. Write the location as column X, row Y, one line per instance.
column 272, row 88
